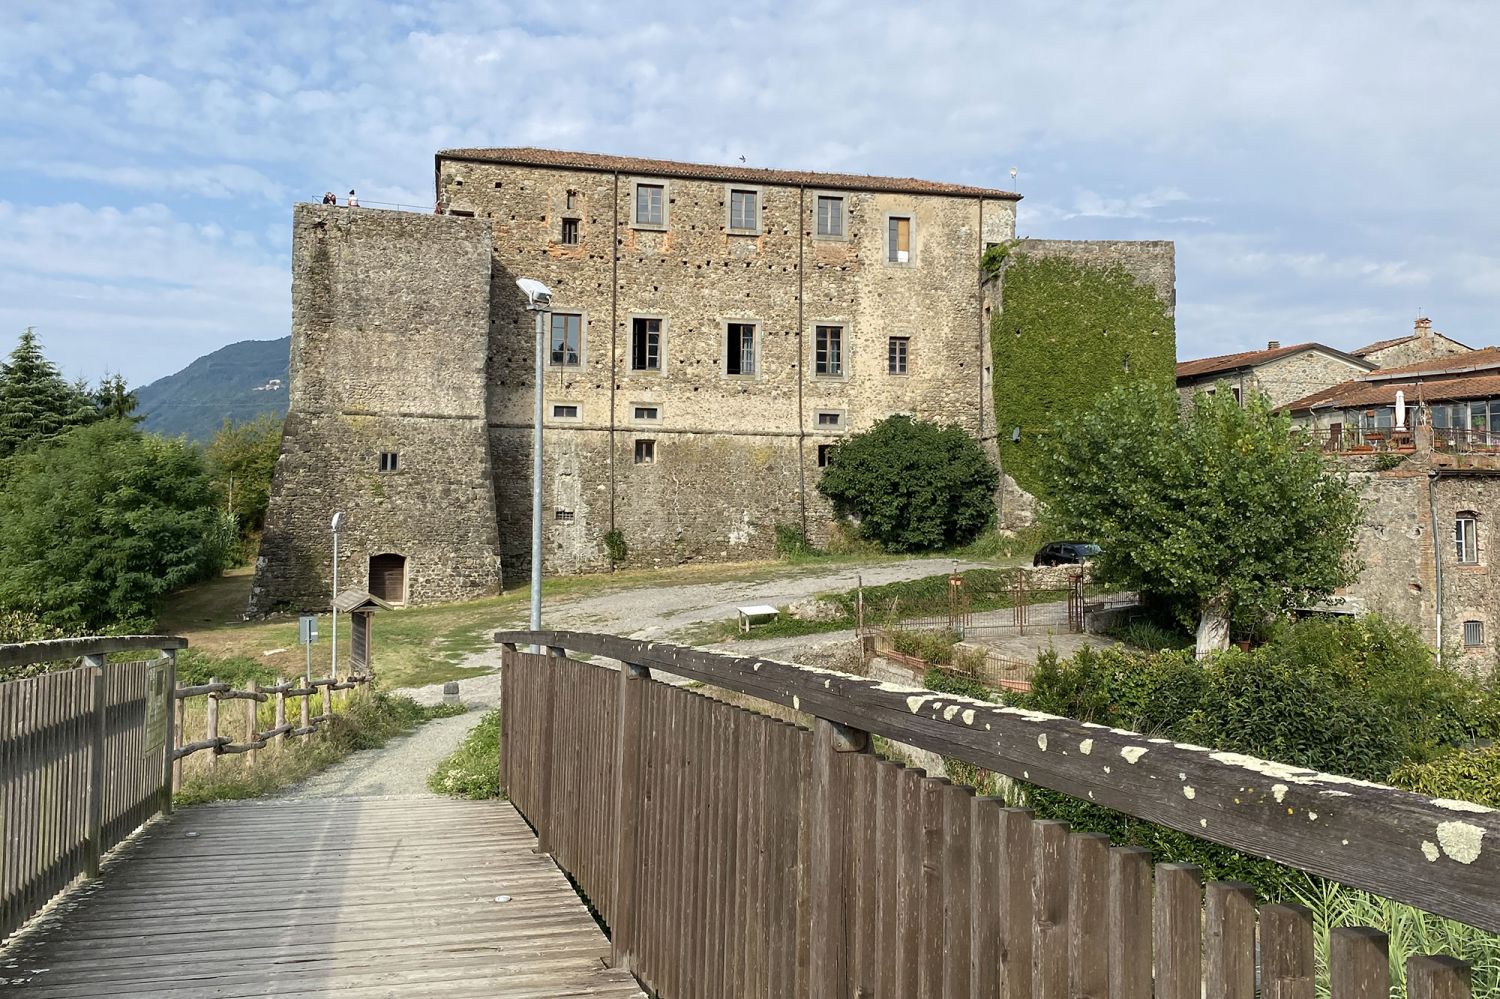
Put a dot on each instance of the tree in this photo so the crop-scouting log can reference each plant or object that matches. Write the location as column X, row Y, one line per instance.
column 36, row 404
column 913, row 486
column 241, row 458
column 1224, row 513
column 98, row 527
column 114, row 400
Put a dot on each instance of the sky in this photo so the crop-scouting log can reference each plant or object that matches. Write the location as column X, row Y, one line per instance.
column 1325, row 169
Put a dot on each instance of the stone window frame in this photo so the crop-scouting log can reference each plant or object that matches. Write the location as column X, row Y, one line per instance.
column 760, row 340
column 1478, row 624
column 390, row 462
column 911, row 239
column 552, row 411
column 890, row 341
column 1471, row 548
column 842, row 196
column 846, row 354
column 647, row 420
column 562, row 235
column 636, row 184
column 644, row 451
column 839, row 426
column 760, row 209
column 583, row 339
column 661, row 356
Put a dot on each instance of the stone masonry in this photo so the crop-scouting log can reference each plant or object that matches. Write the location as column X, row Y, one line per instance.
column 408, row 325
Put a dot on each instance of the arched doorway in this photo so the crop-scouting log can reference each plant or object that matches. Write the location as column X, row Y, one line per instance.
column 388, row 577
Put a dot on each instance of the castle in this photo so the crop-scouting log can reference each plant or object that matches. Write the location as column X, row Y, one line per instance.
column 713, row 332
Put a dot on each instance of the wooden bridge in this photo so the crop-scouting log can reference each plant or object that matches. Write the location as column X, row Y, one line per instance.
column 729, row 853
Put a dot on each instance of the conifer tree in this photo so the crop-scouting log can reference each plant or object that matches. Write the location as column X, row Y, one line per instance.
column 36, row 403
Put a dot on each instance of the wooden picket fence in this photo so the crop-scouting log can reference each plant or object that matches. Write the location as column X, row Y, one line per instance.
column 732, row 854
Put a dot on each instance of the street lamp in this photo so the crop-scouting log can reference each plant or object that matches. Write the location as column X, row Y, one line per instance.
column 539, row 301
column 338, row 520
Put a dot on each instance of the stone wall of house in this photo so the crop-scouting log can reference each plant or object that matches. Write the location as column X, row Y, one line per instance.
column 1425, row 344
column 389, row 338
column 1290, row 378
column 734, row 455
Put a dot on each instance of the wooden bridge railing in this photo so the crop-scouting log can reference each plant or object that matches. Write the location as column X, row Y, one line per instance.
column 84, row 757
column 732, row 854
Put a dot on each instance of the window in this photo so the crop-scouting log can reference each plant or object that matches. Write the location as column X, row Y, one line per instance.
column 744, row 210
column 1473, row 633
column 828, row 350
column 570, row 232
column 830, row 222
column 896, row 353
column 565, row 410
column 645, row 344
column 647, row 414
column 739, row 348
column 825, row 455
column 645, row 452
column 898, row 239
column 1237, row 400
column 572, row 202
column 1466, row 538
column 566, row 516
column 830, row 419
column 567, row 339
column 389, row 460
column 650, row 204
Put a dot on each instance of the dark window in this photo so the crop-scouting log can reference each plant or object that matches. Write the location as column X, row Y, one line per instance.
column 567, row 339
column 647, row 413
column 896, row 354
column 572, row 199
column 565, row 411
column 742, row 210
column 830, row 419
column 388, row 577
column 825, row 454
column 828, row 356
column 898, row 240
column 645, row 345
column 830, row 216
column 739, row 353
column 648, row 204
column 1473, row 633
column 570, row 232
column 389, row 460
column 645, row 452
column 566, row 516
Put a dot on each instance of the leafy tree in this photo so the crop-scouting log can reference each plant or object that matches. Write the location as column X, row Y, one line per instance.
column 115, row 401
column 36, row 403
column 97, row 528
column 913, row 486
column 1224, row 513
column 241, row 458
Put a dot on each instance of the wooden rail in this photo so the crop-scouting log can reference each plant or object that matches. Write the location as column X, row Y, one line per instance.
column 734, row 854
column 84, row 757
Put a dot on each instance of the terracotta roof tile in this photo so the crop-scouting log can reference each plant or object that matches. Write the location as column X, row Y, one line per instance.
column 1371, row 348
column 1489, row 357
column 1233, row 362
column 532, row 156
column 1359, row 392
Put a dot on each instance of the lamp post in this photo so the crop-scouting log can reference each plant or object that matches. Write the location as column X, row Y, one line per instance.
column 538, row 301
column 338, row 520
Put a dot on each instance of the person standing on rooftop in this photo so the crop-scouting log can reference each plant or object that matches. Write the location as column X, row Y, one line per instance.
column 353, row 201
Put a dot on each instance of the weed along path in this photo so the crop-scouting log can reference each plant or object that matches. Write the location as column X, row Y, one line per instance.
column 400, row 768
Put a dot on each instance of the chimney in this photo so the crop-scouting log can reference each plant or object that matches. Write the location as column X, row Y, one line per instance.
column 1423, row 327
column 1273, row 345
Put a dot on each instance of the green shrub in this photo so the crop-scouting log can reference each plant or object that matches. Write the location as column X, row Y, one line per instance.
column 945, row 682
column 473, row 769
column 614, row 544
column 912, row 485
column 792, row 543
column 195, row 667
column 1150, row 636
column 1465, row 774
column 935, row 646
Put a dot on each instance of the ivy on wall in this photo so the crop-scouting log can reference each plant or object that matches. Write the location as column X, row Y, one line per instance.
column 1067, row 333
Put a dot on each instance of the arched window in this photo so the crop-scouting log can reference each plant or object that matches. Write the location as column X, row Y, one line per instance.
column 388, row 577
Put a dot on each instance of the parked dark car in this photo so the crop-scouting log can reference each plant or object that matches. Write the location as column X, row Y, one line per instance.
column 1065, row 553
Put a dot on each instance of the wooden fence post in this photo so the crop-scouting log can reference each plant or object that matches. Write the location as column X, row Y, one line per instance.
column 306, row 725
column 1359, row 964
column 168, row 771
column 1438, row 978
column 830, row 935
column 94, row 819
column 327, row 702
column 213, row 726
column 251, row 706
column 633, row 680
column 179, row 711
column 1229, row 931
column 280, row 716
column 1287, row 965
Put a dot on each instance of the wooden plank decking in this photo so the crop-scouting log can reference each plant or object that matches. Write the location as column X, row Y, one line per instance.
column 352, row 897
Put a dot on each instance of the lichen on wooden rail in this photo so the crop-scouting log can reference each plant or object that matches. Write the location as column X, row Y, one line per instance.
column 1437, row 854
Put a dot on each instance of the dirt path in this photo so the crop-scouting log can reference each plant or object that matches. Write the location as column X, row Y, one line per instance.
column 399, row 768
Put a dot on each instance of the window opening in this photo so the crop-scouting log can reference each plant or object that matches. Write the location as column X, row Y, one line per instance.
column 830, row 216
column 570, row 232
column 1473, row 633
column 825, row 454
column 1466, row 538
column 565, row 411
column 896, row 354
column 647, row 413
column 898, row 240
column 645, row 344
column 743, row 212
column 830, row 419
column 740, row 349
column 567, row 339
column 645, row 452
column 389, row 460
column 829, row 350
column 648, row 204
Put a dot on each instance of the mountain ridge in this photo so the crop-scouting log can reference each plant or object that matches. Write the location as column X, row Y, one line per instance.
column 238, row 382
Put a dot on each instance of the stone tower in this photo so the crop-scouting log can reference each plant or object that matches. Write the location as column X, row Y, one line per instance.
column 390, row 338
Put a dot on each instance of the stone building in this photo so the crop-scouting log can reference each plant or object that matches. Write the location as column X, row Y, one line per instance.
column 1423, row 343
column 1282, row 374
column 714, row 331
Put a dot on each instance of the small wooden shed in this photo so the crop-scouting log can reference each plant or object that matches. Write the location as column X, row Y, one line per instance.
column 359, row 605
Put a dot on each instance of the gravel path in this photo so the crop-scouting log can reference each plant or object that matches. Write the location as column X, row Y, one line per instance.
column 400, row 767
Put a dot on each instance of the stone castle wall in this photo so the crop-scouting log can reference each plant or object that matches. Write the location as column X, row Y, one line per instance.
column 390, row 322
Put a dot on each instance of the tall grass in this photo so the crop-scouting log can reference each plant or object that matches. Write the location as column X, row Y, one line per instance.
column 473, row 769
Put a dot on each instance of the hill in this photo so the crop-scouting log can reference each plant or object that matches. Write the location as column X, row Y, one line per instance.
column 238, row 382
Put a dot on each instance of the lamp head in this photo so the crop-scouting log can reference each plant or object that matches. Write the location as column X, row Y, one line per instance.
column 338, row 520
column 538, row 295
